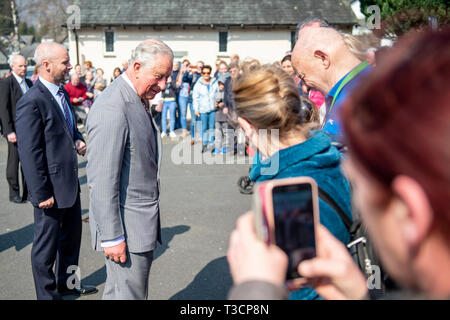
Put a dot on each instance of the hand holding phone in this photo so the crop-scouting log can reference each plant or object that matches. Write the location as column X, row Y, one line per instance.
column 250, row 259
column 287, row 214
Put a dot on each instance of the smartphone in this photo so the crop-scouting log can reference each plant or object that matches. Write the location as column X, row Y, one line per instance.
column 287, row 215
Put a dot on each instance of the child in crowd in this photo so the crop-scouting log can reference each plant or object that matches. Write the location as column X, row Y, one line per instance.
column 169, row 96
column 222, row 133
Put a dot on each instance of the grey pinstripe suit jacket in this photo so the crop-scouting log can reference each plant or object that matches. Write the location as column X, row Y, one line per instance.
column 122, row 170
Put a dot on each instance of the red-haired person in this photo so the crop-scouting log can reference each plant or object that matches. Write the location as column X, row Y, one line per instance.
column 396, row 126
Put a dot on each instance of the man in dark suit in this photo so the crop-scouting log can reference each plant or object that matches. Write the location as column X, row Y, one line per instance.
column 11, row 90
column 48, row 143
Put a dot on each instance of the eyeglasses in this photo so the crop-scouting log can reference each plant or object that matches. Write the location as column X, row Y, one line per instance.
column 206, row 72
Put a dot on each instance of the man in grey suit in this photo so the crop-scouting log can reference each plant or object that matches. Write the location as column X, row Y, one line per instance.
column 124, row 157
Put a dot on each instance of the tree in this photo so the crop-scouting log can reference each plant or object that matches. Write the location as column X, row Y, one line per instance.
column 47, row 16
column 401, row 16
column 6, row 23
column 6, row 26
column 25, row 29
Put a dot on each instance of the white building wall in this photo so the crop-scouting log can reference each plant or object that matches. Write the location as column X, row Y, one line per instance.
column 265, row 45
column 193, row 43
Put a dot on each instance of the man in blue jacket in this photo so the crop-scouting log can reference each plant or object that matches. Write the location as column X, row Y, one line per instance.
column 325, row 63
column 48, row 143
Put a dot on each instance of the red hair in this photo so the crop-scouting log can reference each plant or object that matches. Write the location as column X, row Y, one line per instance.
column 398, row 121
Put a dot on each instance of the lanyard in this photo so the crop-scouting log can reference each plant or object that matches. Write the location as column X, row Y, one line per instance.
column 346, row 80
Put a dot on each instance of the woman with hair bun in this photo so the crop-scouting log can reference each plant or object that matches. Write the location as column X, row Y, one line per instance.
column 396, row 127
column 281, row 124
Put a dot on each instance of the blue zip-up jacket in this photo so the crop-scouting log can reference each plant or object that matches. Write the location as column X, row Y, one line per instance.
column 203, row 97
column 332, row 121
column 315, row 158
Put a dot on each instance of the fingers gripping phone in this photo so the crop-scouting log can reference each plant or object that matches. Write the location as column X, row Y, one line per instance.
column 287, row 215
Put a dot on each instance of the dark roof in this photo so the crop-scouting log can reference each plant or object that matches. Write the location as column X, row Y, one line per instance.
column 28, row 51
column 212, row 12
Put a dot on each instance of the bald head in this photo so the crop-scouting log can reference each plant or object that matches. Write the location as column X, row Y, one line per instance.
column 52, row 61
column 322, row 57
column 48, row 51
column 17, row 59
column 19, row 65
column 75, row 79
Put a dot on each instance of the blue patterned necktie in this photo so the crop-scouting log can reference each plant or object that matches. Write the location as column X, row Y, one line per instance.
column 66, row 110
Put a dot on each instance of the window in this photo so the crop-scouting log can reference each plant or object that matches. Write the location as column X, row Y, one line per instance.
column 109, row 41
column 223, row 39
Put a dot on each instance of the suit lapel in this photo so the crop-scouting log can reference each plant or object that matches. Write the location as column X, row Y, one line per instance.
column 155, row 133
column 134, row 98
column 158, row 140
column 57, row 108
column 16, row 87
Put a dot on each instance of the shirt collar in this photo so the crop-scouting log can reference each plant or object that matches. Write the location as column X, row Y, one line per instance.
column 128, row 81
column 53, row 88
column 18, row 78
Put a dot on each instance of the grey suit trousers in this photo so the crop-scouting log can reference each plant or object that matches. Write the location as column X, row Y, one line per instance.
column 128, row 281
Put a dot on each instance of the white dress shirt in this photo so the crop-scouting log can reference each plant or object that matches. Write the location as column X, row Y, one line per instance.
column 53, row 88
column 21, row 82
column 127, row 80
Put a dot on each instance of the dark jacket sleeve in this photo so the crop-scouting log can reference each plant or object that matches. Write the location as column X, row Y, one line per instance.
column 228, row 95
column 5, row 107
column 187, row 77
column 31, row 147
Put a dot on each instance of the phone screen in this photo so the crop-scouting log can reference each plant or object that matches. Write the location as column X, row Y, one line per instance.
column 294, row 224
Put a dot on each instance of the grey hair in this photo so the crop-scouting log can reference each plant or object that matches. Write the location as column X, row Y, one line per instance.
column 146, row 52
column 14, row 57
column 45, row 50
column 308, row 21
column 354, row 45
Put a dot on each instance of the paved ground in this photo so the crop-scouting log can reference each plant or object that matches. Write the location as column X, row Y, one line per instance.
column 199, row 206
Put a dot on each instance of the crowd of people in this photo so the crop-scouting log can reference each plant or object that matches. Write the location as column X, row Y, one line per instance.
column 206, row 96
column 381, row 150
column 209, row 98
column 86, row 84
column 372, row 132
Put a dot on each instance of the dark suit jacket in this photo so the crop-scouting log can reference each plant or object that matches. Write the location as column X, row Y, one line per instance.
column 10, row 93
column 46, row 148
column 228, row 95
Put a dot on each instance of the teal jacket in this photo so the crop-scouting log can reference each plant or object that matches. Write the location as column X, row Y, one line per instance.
column 315, row 158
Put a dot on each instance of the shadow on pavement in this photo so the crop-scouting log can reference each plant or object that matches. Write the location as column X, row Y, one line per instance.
column 99, row 277
column 19, row 238
column 212, row 283
column 167, row 234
